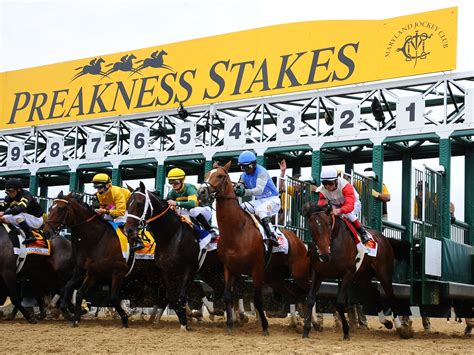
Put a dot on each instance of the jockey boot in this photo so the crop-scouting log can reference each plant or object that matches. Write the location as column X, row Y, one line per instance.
column 29, row 238
column 363, row 235
column 271, row 238
column 136, row 244
column 205, row 224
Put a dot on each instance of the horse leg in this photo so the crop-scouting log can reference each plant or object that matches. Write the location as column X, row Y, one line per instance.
column 42, row 310
column 9, row 279
column 341, row 301
column 310, row 301
column 89, row 281
column 229, row 284
column 257, row 277
column 117, row 280
column 67, row 294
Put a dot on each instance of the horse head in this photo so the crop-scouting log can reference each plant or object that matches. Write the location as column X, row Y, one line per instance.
column 321, row 223
column 217, row 184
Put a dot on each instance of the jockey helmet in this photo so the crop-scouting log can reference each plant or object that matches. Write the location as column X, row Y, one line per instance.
column 176, row 174
column 13, row 183
column 100, row 180
column 306, row 178
column 328, row 173
column 247, row 158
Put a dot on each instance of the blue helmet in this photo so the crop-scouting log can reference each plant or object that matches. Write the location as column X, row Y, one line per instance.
column 247, row 157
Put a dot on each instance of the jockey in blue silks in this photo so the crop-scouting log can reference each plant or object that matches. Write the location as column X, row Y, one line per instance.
column 255, row 181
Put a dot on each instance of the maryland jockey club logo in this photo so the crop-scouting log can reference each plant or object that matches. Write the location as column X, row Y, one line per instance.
column 125, row 64
column 414, row 47
column 416, row 42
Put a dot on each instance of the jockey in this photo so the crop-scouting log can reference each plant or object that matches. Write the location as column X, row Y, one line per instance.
column 184, row 196
column 114, row 196
column 21, row 209
column 255, row 181
column 342, row 197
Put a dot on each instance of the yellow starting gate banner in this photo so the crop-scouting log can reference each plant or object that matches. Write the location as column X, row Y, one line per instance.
column 260, row 62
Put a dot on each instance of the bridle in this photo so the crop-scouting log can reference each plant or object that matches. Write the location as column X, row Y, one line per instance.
column 62, row 223
column 142, row 221
column 217, row 189
column 332, row 223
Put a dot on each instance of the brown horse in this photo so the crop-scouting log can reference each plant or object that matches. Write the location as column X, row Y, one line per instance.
column 242, row 250
column 98, row 254
column 333, row 253
column 46, row 275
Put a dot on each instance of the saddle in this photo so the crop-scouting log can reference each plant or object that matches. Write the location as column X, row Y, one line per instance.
column 371, row 246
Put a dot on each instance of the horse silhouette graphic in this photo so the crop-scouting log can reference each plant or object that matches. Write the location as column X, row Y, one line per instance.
column 155, row 61
column 94, row 68
column 125, row 64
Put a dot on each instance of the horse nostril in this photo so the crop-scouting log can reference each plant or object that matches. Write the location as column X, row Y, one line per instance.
column 324, row 258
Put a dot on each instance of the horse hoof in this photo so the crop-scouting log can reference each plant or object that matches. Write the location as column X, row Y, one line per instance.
column 346, row 337
column 41, row 315
column 229, row 331
column 388, row 324
column 306, row 335
column 32, row 320
column 405, row 332
column 317, row 327
column 265, row 333
column 75, row 324
column 125, row 323
column 184, row 328
column 243, row 318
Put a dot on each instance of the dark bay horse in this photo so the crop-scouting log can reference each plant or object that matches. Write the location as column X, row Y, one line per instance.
column 242, row 250
column 332, row 255
column 97, row 252
column 177, row 249
column 46, row 274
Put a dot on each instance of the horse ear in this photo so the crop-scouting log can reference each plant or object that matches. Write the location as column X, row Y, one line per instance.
column 142, row 186
column 129, row 188
column 60, row 194
column 227, row 166
column 215, row 165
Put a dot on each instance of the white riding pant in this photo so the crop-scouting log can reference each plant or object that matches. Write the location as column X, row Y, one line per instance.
column 206, row 211
column 32, row 221
column 265, row 207
column 119, row 219
column 352, row 216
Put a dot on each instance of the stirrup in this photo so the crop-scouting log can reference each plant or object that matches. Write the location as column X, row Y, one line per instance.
column 137, row 246
column 272, row 242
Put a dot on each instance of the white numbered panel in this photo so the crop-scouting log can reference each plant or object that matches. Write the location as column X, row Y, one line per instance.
column 410, row 112
column 469, row 102
column 234, row 132
column 139, row 138
column 288, row 126
column 185, row 136
column 95, row 145
column 54, row 150
column 346, row 120
column 16, row 151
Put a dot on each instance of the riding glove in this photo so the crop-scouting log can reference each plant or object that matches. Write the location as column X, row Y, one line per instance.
column 239, row 190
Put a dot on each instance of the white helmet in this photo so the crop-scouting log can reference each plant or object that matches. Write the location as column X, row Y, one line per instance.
column 306, row 178
column 328, row 173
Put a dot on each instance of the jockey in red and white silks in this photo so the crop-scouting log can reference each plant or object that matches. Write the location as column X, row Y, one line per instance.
column 342, row 197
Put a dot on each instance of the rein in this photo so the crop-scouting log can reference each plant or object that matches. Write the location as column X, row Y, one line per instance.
column 218, row 190
column 63, row 223
column 148, row 205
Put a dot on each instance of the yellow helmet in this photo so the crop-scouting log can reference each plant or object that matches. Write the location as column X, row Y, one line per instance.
column 100, row 179
column 176, row 174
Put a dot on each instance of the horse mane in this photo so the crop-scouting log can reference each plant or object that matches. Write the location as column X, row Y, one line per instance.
column 312, row 207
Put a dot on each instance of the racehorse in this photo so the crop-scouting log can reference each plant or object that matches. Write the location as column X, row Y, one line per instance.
column 241, row 247
column 47, row 274
column 176, row 251
column 98, row 253
column 94, row 68
column 333, row 253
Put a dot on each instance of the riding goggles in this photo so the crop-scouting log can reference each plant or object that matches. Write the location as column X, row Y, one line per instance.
column 99, row 186
column 328, row 182
column 174, row 182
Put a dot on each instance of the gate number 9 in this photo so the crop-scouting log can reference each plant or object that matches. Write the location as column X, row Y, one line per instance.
column 15, row 153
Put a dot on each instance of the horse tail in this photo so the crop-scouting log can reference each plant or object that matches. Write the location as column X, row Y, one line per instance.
column 401, row 248
column 78, row 68
column 108, row 65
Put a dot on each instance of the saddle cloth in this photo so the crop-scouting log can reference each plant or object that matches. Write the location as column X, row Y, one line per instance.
column 372, row 246
column 40, row 247
column 147, row 253
column 282, row 240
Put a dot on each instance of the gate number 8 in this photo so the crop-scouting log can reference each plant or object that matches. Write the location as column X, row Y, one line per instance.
column 54, row 150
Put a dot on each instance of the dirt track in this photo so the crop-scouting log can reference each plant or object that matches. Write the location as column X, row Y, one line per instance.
column 104, row 335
